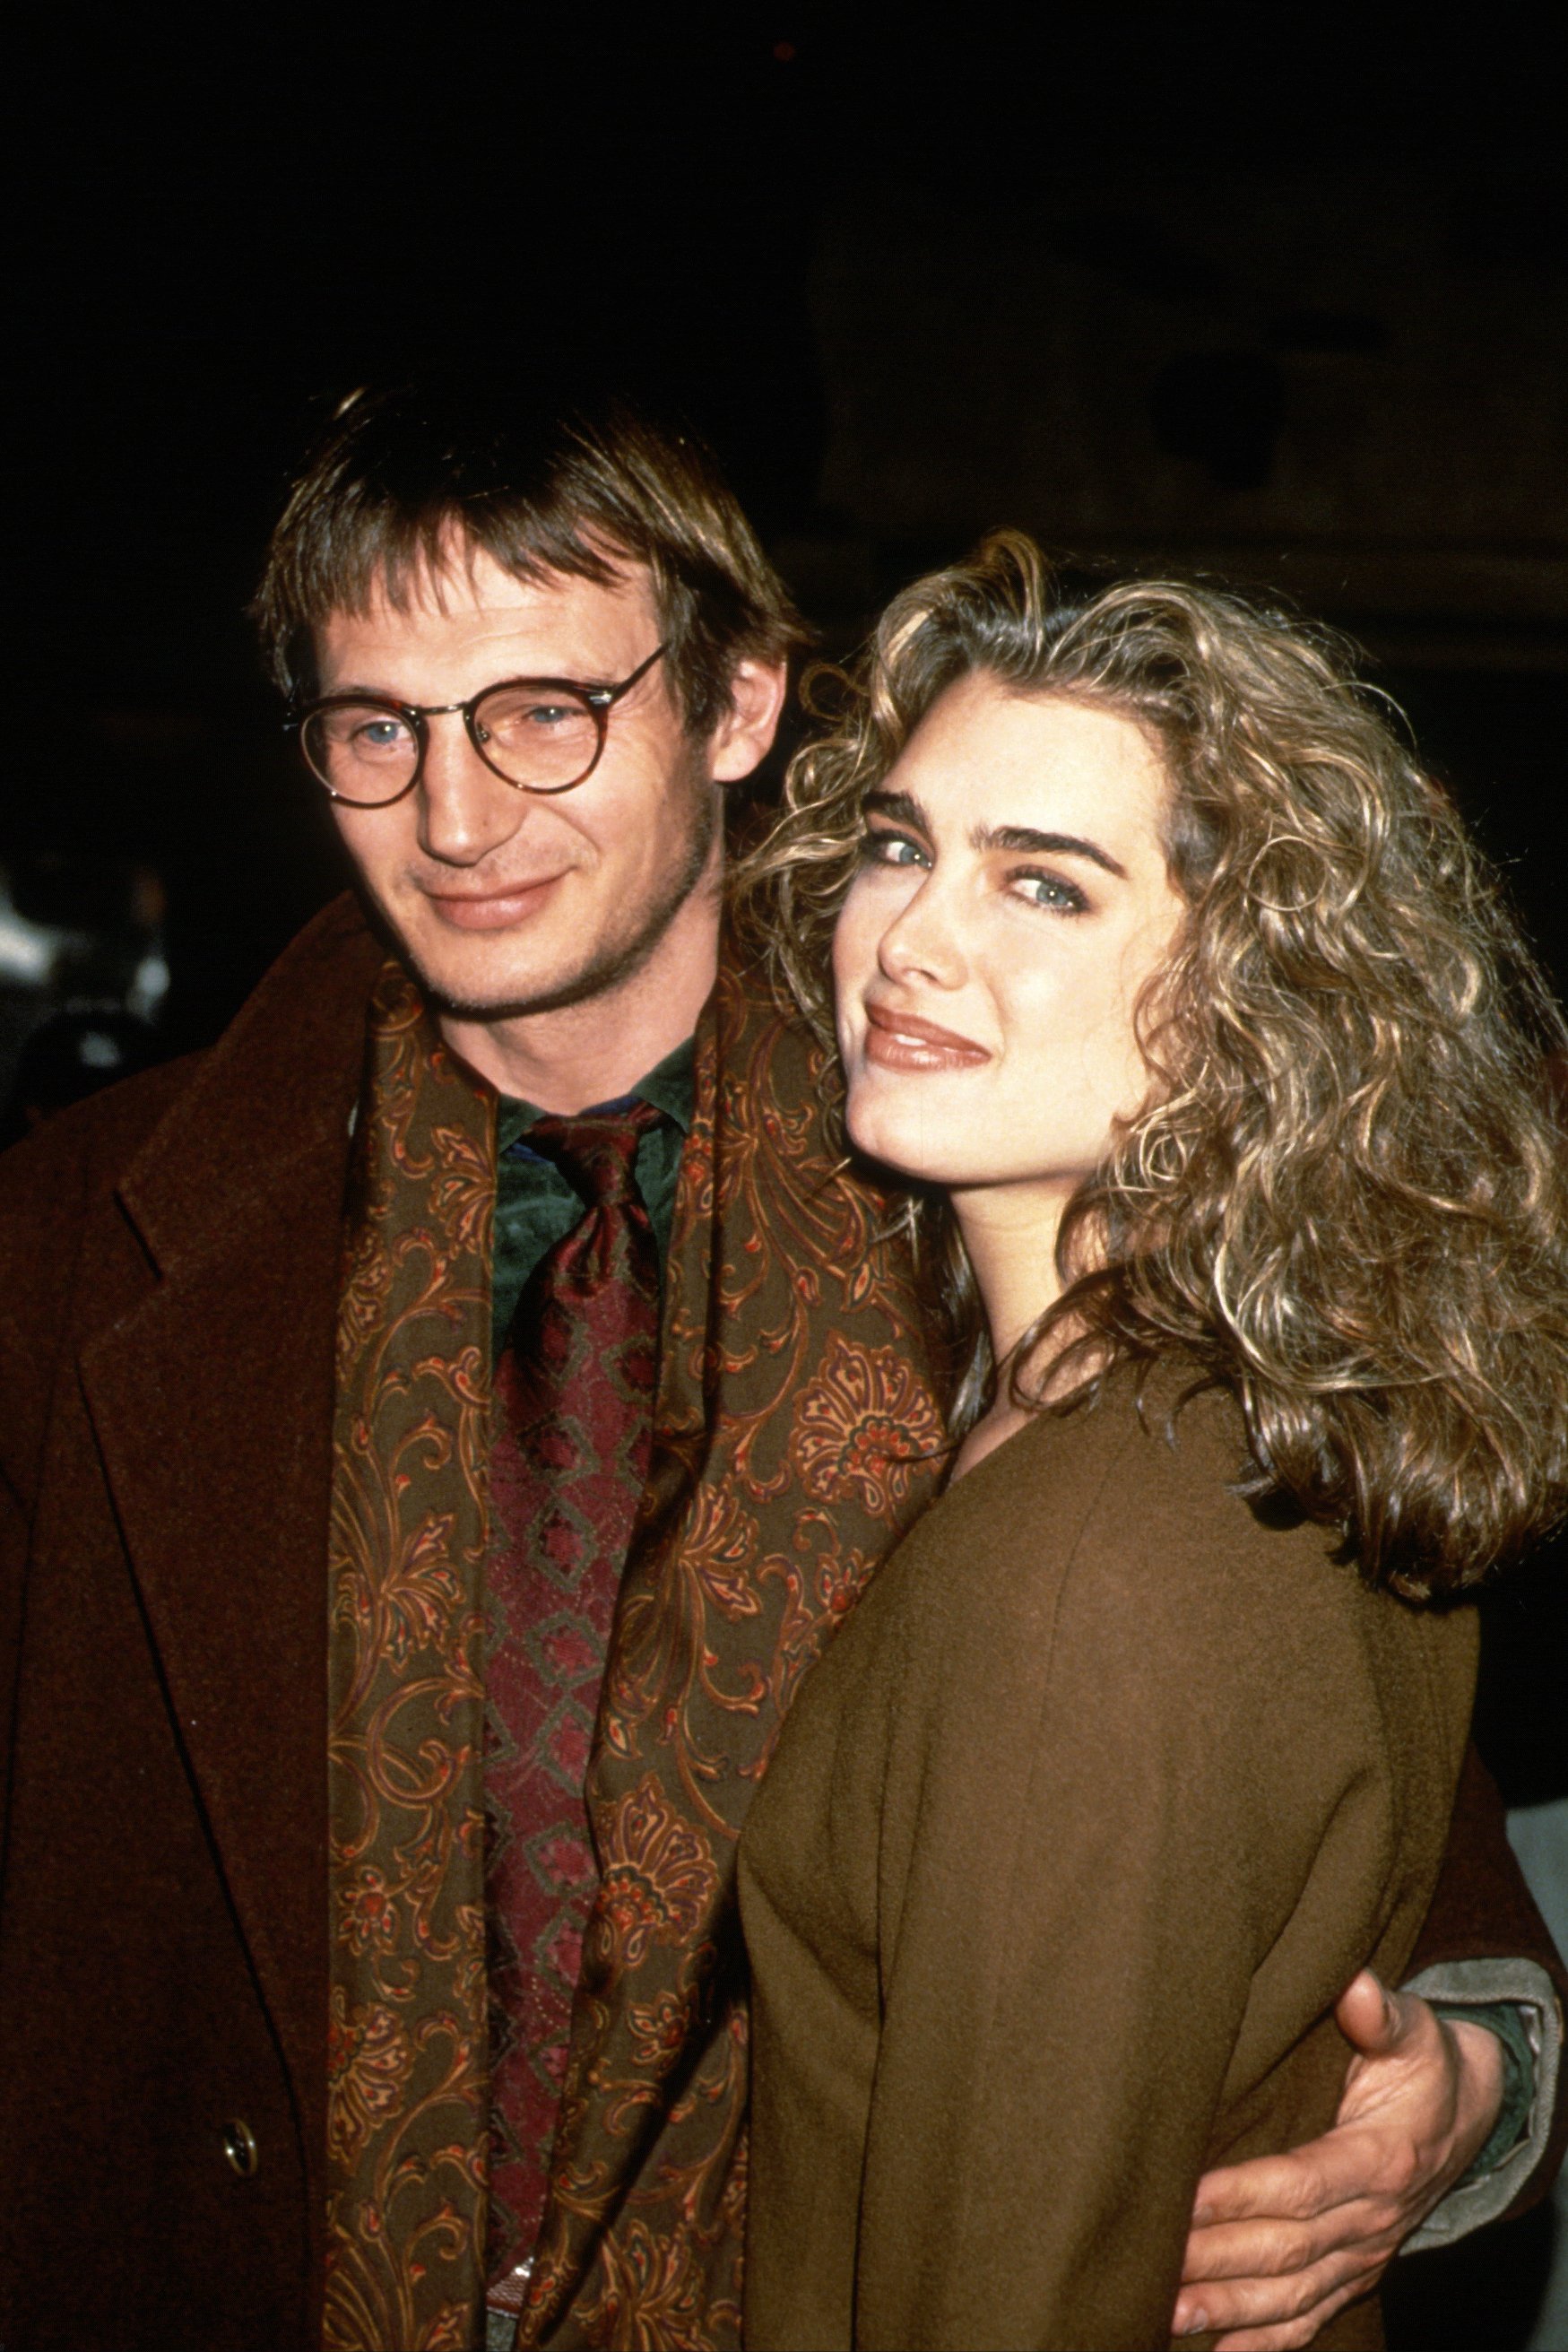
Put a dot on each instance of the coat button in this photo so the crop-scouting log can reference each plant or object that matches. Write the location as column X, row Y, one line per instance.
column 240, row 2150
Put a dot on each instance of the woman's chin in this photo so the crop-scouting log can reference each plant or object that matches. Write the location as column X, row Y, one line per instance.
column 898, row 1145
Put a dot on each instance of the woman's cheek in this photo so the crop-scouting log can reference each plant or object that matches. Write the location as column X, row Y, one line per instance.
column 854, row 944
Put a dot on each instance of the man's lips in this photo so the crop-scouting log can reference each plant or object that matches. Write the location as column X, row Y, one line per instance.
column 491, row 910
column 903, row 1041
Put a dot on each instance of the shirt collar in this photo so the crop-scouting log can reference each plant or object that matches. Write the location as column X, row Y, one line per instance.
column 670, row 1085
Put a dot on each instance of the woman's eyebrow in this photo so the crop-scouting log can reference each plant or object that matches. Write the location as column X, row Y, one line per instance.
column 902, row 807
column 1048, row 845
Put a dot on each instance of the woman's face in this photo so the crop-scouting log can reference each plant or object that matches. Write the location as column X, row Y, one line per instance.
column 1011, row 903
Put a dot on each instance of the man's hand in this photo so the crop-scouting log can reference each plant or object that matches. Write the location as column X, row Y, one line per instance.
column 1278, row 2244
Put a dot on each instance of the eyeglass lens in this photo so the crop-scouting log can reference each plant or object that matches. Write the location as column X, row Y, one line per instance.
column 542, row 737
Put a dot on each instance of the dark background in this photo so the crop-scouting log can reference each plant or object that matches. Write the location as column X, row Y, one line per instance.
column 1277, row 296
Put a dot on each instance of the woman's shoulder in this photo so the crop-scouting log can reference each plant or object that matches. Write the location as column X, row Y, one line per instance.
column 1119, row 1532
column 1095, row 1629
column 1153, row 1454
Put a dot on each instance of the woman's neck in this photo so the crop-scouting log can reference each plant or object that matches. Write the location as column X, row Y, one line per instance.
column 1009, row 1236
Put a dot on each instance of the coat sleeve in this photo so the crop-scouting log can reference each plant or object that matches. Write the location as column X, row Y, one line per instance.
column 12, row 1561
column 1114, row 1807
column 41, row 1217
column 1484, row 1939
column 50, row 1187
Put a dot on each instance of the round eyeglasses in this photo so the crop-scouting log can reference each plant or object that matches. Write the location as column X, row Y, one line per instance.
column 538, row 734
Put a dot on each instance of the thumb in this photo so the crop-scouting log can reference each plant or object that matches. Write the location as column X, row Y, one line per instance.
column 1369, row 2016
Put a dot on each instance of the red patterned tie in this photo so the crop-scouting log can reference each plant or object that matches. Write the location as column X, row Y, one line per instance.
column 574, row 1394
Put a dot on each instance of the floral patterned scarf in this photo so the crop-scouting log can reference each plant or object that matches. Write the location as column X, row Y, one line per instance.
column 795, row 1438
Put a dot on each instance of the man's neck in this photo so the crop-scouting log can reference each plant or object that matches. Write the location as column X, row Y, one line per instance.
column 596, row 1050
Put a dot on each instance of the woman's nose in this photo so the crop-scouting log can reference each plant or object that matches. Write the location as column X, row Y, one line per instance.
column 923, row 941
column 465, row 810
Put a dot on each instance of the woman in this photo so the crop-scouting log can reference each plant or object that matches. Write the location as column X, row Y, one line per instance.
column 1175, row 991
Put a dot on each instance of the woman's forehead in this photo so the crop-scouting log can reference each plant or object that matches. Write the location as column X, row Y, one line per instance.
column 986, row 752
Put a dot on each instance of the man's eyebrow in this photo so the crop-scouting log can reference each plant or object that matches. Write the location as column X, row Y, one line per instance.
column 1048, row 844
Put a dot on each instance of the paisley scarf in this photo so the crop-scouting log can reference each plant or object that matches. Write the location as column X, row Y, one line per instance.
column 795, row 1437
column 406, row 2134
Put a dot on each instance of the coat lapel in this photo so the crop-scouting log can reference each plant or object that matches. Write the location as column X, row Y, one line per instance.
column 212, row 1399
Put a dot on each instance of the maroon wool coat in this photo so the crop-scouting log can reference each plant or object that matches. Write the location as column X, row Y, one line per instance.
column 169, row 1266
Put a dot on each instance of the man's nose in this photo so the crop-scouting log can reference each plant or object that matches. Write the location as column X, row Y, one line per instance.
column 465, row 810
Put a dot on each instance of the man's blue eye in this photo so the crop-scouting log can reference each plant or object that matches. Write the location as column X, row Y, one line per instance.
column 381, row 734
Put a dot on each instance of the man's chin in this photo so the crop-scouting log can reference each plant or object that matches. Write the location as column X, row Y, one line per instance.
column 496, row 987
column 479, row 976
column 505, row 996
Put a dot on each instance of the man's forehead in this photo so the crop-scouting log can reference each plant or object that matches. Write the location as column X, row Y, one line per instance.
column 468, row 600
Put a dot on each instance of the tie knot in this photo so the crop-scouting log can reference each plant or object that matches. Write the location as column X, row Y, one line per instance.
column 596, row 1150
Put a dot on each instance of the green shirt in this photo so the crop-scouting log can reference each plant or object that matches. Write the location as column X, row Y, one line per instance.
column 535, row 1205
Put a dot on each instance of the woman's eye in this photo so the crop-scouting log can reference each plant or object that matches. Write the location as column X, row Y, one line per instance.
column 891, row 849
column 1049, row 890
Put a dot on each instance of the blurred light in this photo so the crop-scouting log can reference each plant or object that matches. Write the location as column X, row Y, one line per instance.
column 28, row 951
column 97, row 1050
column 148, row 986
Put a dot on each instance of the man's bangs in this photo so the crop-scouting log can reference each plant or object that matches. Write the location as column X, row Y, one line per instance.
column 388, row 555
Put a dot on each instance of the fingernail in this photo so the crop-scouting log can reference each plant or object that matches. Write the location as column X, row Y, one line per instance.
column 1197, row 2325
column 1201, row 2216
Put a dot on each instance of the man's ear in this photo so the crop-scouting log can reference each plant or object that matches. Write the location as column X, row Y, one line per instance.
column 745, row 733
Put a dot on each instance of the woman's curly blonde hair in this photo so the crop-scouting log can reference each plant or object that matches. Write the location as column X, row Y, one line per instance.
column 1346, row 1196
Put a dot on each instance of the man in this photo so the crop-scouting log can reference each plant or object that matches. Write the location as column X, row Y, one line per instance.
column 469, row 1387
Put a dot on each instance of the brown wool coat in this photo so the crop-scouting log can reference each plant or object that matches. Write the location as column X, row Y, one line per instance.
column 1065, row 1854
column 169, row 1274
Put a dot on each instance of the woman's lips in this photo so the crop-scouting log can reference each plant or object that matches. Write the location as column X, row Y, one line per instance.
column 492, row 910
column 902, row 1041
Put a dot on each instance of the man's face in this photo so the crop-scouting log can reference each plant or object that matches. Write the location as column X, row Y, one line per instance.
column 506, row 902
